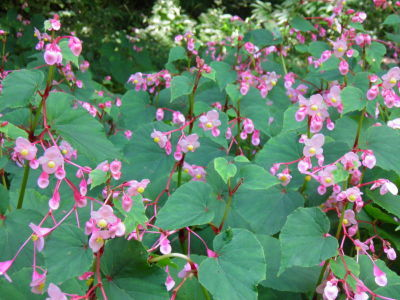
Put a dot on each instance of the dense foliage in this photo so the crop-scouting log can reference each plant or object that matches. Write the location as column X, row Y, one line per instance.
column 259, row 163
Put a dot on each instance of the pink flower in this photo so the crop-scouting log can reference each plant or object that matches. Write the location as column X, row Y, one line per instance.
column 255, row 138
column 333, row 96
column 117, row 229
column 54, row 202
column 53, row 54
column 136, row 188
column 380, row 276
column 391, row 253
column 169, row 283
column 210, row 121
column 55, row 23
column 159, row 114
column 51, row 160
column 339, row 47
column 361, row 296
column 198, row 173
column 38, row 282
column 187, row 269
column 189, row 143
column 326, row 176
column 343, row 67
column 368, row 159
column 349, row 218
column 43, row 180
column 128, row 134
column 67, row 150
column 178, row 118
column 75, row 45
column 386, row 186
column 165, row 245
column 353, row 194
column 104, row 216
column 284, row 177
column 350, row 161
column 115, row 168
column 159, row 138
column 391, row 77
column 313, row 146
column 373, row 92
column 38, row 235
column 97, row 239
column 4, row 266
column 55, row 293
column 25, row 149
column 330, row 291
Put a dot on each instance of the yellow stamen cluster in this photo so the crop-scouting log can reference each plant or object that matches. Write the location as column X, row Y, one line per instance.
column 24, row 152
column 102, row 223
column 352, row 197
column 51, row 164
column 198, row 176
column 312, row 150
column 328, row 180
column 314, row 107
column 64, row 151
column 34, row 237
column 340, row 49
column 393, row 80
column 283, row 178
column 190, row 147
column 140, row 189
column 156, row 139
column 209, row 125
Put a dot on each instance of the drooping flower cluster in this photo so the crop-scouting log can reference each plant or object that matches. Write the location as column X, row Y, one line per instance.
column 103, row 225
column 150, row 82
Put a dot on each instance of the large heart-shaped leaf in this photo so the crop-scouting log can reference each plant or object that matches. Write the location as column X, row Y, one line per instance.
column 239, row 267
column 67, row 254
column 303, row 240
column 128, row 273
column 188, row 205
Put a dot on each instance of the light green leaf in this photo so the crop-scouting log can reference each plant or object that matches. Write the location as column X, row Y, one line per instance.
column 98, row 177
column 225, row 169
column 137, row 214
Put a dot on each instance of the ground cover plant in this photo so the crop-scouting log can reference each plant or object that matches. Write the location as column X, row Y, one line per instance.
column 262, row 165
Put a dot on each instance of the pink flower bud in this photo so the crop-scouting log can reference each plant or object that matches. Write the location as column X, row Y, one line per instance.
column 159, row 114
column 343, row 67
column 373, row 92
column 380, row 276
column 75, row 45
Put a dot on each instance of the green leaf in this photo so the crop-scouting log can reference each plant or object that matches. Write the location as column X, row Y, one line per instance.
column 281, row 148
column 392, row 289
column 379, row 214
column 374, row 55
column 225, row 169
column 233, row 92
column 302, row 239
column 144, row 154
column 188, row 205
column 129, row 276
column 352, row 99
column 383, row 140
column 19, row 288
column 80, row 129
column 340, row 269
column 275, row 203
column 256, row 178
column 136, row 109
column 388, row 202
column 13, row 131
column 340, row 174
column 19, row 87
column 260, row 38
column 98, row 177
column 289, row 121
column 136, row 216
column 239, row 267
column 67, row 253
column 392, row 20
column 295, row 279
column 5, row 199
column 14, row 232
column 67, row 54
column 224, row 73
column 180, row 86
column 176, row 53
column 316, row 48
column 301, row 24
